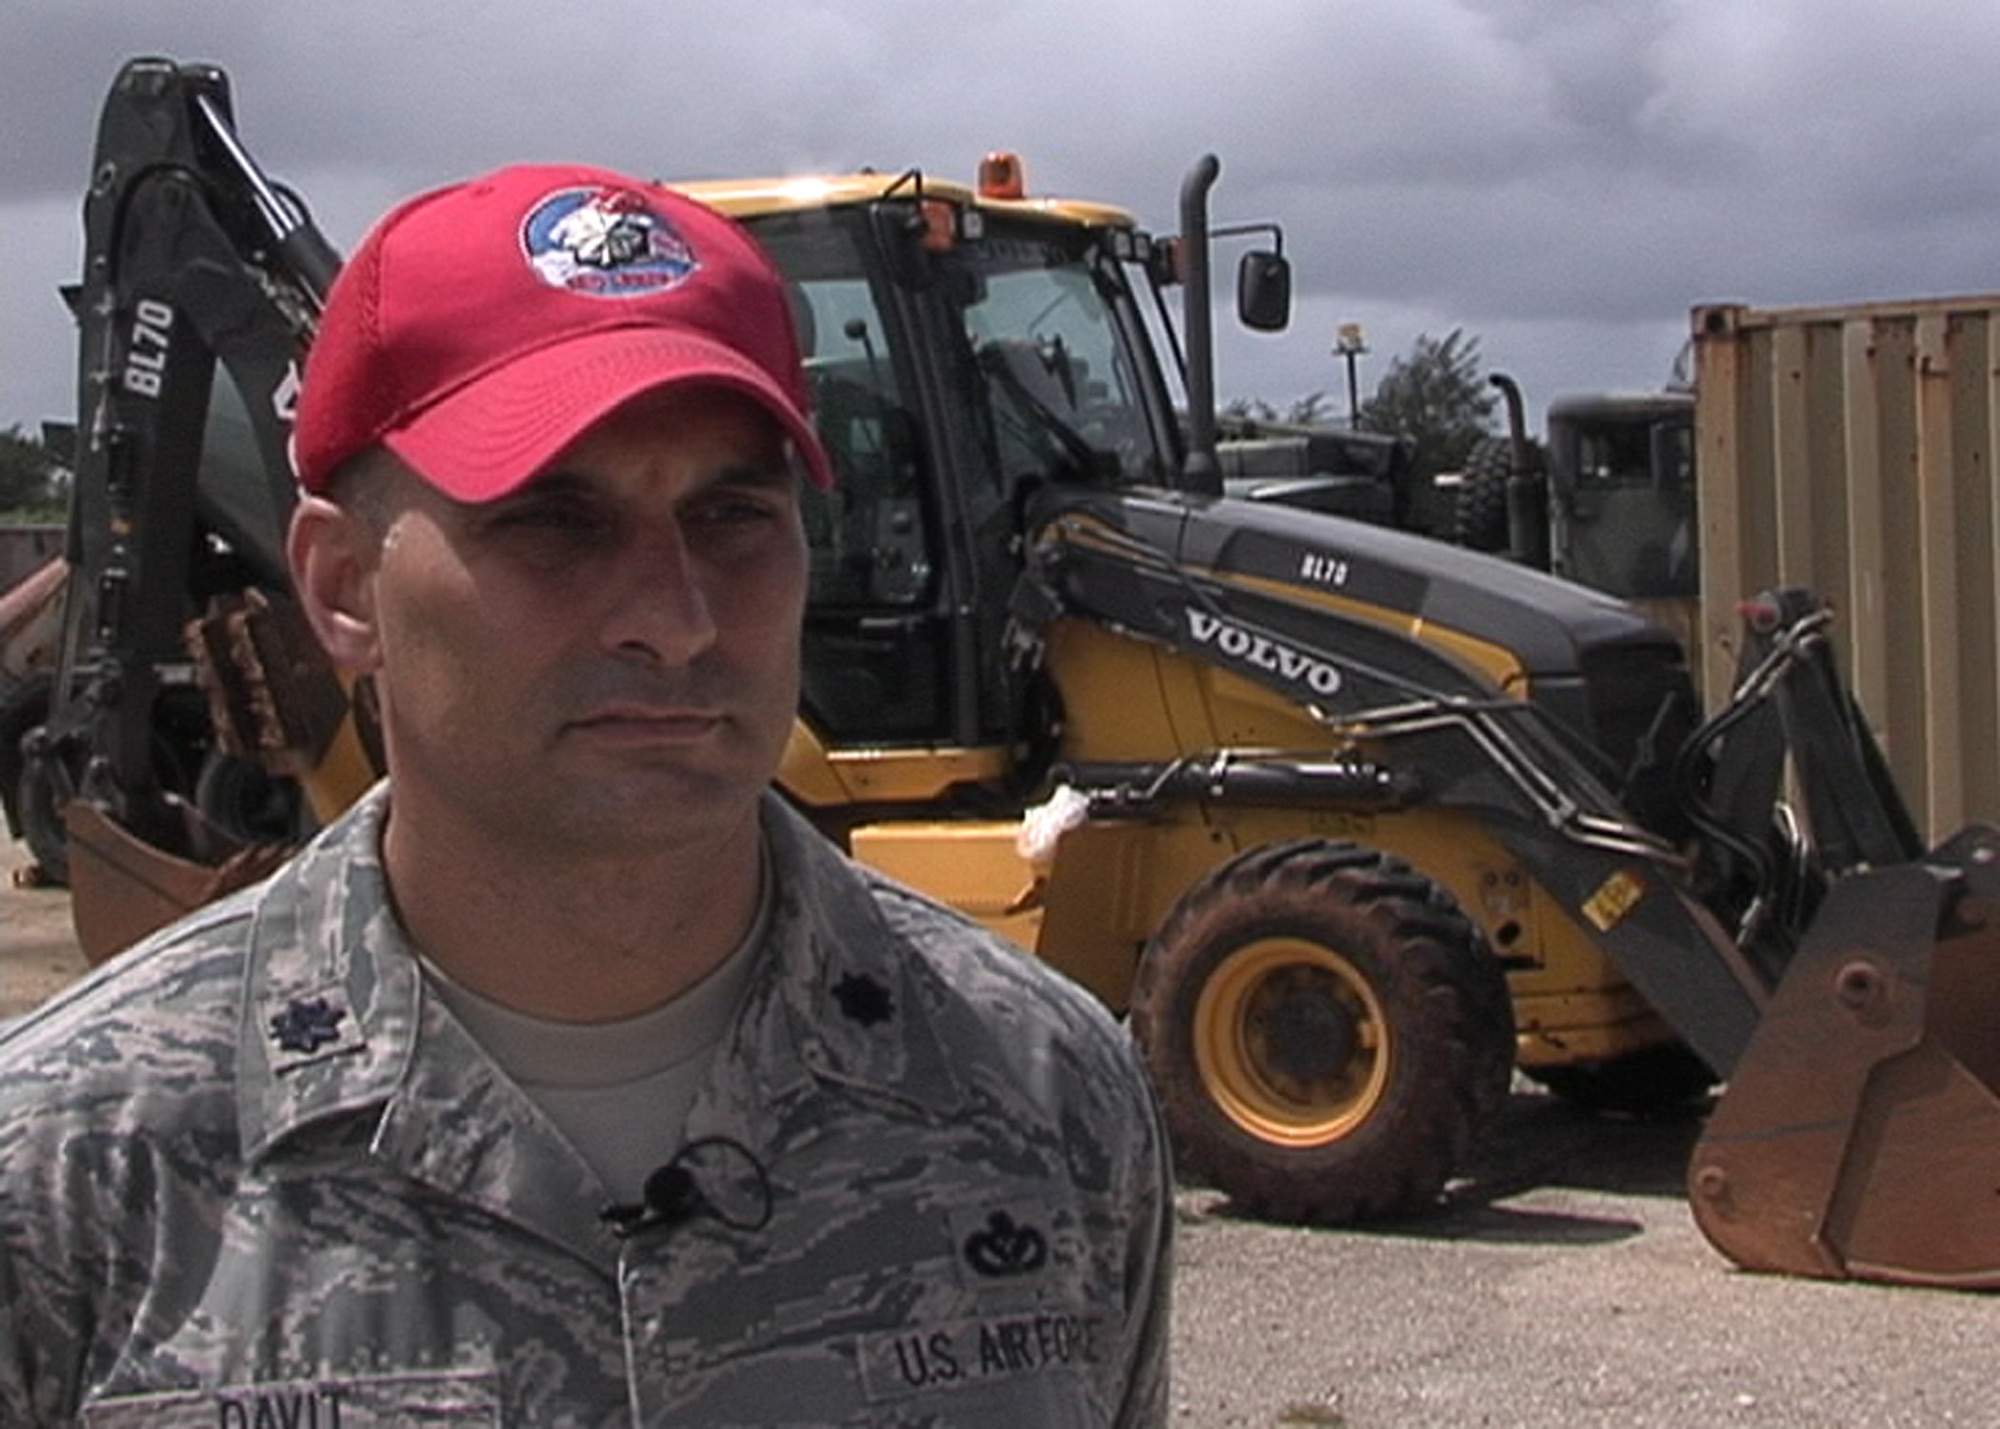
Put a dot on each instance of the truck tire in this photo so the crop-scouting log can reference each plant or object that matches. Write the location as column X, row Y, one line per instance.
column 1327, row 1033
column 31, row 800
column 1479, row 511
column 42, row 827
column 240, row 798
column 1656, row 1081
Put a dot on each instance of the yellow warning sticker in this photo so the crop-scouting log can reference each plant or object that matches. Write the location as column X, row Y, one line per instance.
column 1614, row 898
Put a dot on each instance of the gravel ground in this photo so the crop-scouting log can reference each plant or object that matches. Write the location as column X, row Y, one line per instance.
column 38, row 954
column 1566, row 1284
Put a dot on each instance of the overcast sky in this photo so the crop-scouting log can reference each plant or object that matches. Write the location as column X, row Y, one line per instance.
column 1563, row 179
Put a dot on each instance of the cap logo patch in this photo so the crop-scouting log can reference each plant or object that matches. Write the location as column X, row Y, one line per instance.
column 605, row 243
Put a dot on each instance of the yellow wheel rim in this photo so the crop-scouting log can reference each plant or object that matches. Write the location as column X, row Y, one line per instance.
column 1291, row 1042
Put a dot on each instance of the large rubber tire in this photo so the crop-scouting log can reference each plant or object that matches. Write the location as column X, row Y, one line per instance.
column 42, row 827
column 1658, row 1081
column 1479, row 511
column 1328, row 1034
column 237, row 796
column 33, row 798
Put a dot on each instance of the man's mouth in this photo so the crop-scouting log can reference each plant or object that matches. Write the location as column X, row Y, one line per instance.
column 638, row 724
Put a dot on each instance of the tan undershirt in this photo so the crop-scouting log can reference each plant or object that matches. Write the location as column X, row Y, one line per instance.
column 618, row 1091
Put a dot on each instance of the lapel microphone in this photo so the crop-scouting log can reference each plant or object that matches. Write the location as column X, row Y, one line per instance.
column 714, row 1175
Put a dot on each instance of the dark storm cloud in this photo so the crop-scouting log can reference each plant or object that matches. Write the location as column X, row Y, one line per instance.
column 1563, row 179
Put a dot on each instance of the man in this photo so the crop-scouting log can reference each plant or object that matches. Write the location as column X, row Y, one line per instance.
column 570, row 1078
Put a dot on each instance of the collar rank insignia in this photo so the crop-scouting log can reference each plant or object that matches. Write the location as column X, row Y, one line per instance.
column 1006, row 1247
column 307, row 1024
column 864, row 1000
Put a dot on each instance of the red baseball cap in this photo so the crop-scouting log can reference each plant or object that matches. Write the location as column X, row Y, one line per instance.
column 481, row 328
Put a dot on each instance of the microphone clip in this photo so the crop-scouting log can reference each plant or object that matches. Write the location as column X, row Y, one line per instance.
column 674, row 1193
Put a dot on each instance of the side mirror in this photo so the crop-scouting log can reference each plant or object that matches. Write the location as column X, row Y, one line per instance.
column 1264, row 291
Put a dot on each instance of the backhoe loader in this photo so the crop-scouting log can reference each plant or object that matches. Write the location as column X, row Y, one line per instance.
column 1351, row 823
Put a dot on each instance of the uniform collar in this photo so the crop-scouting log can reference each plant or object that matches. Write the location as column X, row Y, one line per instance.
column 843, row 1000
column 333, row 995
column 335, row 1009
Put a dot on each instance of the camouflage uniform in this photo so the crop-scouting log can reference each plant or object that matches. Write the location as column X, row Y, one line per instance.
column 254, row 1175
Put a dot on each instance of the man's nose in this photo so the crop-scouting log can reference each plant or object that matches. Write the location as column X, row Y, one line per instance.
column 660, row 611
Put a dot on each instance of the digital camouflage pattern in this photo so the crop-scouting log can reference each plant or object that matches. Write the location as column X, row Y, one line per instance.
column 253, row 1174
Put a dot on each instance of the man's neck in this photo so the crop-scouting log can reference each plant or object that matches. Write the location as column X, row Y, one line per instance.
column 572, row 938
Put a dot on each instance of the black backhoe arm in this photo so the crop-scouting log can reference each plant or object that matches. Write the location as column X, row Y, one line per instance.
column 191, row 257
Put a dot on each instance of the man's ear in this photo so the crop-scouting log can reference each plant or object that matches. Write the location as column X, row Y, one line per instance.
column 334, row 551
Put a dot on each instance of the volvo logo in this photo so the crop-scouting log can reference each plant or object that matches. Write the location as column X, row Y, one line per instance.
column 1263, row 652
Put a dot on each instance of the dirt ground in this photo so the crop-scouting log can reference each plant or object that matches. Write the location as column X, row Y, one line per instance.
column 38, row 952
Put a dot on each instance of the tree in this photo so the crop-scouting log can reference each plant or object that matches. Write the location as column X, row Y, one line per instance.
column 1251, row 414
column 1315, row 409
column 1247, row 412
column 32, row 478
column 1436, row 396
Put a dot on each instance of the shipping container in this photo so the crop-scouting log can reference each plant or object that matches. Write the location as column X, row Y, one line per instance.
column 1850, row 449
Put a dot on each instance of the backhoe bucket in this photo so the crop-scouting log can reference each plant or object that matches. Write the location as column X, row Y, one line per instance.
column 1859, row 1137
column 123, row 888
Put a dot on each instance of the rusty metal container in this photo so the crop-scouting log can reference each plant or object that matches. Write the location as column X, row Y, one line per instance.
column 1851, row 449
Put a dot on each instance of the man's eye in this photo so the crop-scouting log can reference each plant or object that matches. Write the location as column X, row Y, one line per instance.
column 560, row 518
column 734, row 511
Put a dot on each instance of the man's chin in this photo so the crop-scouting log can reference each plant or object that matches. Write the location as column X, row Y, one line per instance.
column 652, row 810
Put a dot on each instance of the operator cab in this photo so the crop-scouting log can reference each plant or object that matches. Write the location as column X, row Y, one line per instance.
column 957, row 364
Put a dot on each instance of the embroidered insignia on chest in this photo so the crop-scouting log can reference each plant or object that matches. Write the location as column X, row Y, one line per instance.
column 1006, row 1247
column 864, row 1000
column 307, row 1024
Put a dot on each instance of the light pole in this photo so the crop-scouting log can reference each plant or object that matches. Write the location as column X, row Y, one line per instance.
column 1349, row 344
